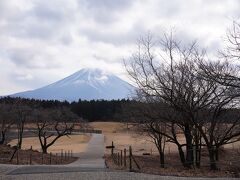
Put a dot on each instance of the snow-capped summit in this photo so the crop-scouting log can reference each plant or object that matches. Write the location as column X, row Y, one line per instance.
column 86, row 84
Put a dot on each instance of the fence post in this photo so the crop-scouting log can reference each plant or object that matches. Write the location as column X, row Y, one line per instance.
column 118, row 159
column 130, row 158
column 30, row 158
column 50, row 161
column 17, row 157
column 42, row 158
column 61, row 155
column 65, row 155
column 124, row 157
column 112, row 148
column 121, row 157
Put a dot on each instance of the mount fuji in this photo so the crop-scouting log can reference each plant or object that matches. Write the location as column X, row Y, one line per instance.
column 86, row 84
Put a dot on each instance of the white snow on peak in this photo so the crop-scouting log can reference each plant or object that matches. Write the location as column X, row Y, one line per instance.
column 86, row 84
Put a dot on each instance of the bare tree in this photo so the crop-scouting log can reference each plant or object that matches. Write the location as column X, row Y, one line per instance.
column 6, row 121
column 175, row 77
column 147, row 124
column 165, row 78
column 22, row 113
column 225, row 71
column 232, row 50
column 53, row 124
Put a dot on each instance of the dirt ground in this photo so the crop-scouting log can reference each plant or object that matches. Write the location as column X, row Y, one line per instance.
column 74, row 143
column 123, row 138
column 150, row 165
column 24, row 156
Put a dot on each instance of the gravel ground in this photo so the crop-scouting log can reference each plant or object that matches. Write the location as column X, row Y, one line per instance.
column 97, row 176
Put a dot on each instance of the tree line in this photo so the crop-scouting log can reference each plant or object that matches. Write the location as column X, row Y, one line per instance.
column 52, row 119
column 93, row 110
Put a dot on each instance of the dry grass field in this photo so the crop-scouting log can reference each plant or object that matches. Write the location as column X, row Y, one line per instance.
column 74, row 143
column 36, row 157
column 123, row 138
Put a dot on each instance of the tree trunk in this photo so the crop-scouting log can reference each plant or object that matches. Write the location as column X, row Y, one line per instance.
column 199, row 151
column 217, row 153
column 20, row 135
column 181, row 155
column 198, row 155
column 189, row 146
column 44, row 149
column 20, row 140
column 162, row 159
column 213, row 165
column 3, row 137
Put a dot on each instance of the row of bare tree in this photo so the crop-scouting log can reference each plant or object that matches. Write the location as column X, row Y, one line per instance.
column 48, row 124
column 181, row 91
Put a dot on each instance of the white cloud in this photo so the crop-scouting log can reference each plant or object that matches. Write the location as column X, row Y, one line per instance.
column 42, row 41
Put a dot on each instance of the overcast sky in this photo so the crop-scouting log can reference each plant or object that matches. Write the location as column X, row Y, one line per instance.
column 42, row 41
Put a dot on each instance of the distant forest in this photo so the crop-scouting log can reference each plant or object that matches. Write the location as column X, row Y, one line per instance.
column 94, row 110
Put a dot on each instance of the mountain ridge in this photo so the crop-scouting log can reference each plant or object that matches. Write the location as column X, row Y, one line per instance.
column 85, row 84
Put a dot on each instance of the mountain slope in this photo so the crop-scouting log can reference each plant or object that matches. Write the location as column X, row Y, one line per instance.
column 86, row 84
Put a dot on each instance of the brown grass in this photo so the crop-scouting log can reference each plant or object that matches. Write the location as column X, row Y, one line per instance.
column 75, row 143
column 24, row 157
column 123, row 138
column 228, row 166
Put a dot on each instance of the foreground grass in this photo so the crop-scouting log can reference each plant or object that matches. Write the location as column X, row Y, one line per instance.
column 36, row 157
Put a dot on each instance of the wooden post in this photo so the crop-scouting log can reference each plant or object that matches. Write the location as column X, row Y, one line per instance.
column 112, row 148
column 42, row 158
column 121, row 158
column 65, row 155
column 130, row 158
column 71, row 153
column 17, row 157
column 50, row 158
column 118, row 159
column 61, row 155
column 30, row 158
column 125, row 157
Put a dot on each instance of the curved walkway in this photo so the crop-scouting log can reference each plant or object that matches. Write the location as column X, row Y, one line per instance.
column 93, row 156
column 90, row 160
column 90, row 165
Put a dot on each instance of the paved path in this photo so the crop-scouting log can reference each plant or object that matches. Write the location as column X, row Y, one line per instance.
column 93, row 156
column 89, row 166
column 91, row 160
